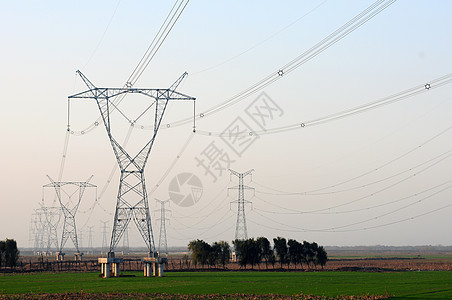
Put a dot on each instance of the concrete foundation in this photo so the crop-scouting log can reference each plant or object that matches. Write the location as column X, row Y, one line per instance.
column 59, row 256
column 78, row 256
column 155, row 264
column 109, row 266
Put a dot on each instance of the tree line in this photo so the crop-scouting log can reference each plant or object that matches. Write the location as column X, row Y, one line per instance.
column 255, row 251
column 9, row 254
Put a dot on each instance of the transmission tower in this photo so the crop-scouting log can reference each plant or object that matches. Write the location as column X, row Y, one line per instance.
column 104, row 236
column 90, row 239
column 37, row 230
column 240, row 228
column 163, row 242
column 49, row 217
column 125, row 241
column 80, row 237
column 132, row 200
column 69, row 209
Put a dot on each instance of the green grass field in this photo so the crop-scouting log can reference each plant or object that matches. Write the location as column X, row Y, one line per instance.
column 403, row 285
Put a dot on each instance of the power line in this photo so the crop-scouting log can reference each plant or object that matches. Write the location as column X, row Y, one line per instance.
column 335, row 229
column 360, row 19
column 296, row 212
column 422, row 88
column 260, row 42
column 103, row 34
column 372, row 194
column 434, row 161
column 218, row 222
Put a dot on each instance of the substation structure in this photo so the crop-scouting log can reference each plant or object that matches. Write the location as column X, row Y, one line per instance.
column 69, row 210
column 132, row 181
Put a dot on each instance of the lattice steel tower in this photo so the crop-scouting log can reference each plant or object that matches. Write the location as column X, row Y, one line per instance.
column 37, row 230
column 69, row 209
column 90, row 239
column 125, row 241
column 49, row 217
column 163, row 242
column 132, row 181
column 240, row 228
column 104, row 236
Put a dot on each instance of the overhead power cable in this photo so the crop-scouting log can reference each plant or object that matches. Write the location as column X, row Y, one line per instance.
column 356, row 229
column 158, row 40
column 212, row 200
column 168, row 170
column 422, row 88
column 340, row 228
column 433, row 162
column 319, row 190
column 360, row 19
column 367, row 208
column 103, row 34
column 261, row 42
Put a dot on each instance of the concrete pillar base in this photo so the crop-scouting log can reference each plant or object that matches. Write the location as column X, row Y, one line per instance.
column 59, row 256
column 156, row 263
column 78, row 256
column 110, row 266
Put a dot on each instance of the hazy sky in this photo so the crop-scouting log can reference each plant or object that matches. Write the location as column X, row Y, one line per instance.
column 394, row 160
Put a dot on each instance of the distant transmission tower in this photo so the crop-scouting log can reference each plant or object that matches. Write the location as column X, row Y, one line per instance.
column 125, row 241
column 163, row 242
column 80, row 240
column 90, row 239
column 132, row 200
column 104, row 236
column 49, row 218
column 240, row 228
column 37, row 231
column 69, row 209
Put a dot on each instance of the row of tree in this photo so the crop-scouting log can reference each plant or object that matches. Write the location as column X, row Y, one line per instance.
column 254, row 251
column 204, row 254
column 9, row 254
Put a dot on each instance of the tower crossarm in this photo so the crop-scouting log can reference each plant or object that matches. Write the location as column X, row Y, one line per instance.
column 241, row 174
column 106, row 93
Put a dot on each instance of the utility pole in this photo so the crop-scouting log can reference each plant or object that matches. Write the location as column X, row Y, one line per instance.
column 163, row 243
column 69, row 211
column 132, row 200
column 240, row 228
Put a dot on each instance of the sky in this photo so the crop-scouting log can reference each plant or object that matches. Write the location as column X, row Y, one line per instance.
column 380, row 177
